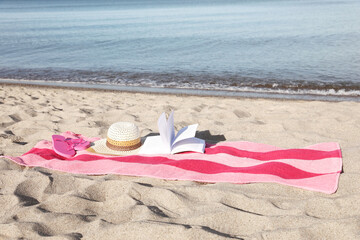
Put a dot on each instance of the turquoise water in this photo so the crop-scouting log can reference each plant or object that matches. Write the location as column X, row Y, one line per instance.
column 308, row 47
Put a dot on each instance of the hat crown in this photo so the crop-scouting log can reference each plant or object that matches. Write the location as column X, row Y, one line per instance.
column 123, row 131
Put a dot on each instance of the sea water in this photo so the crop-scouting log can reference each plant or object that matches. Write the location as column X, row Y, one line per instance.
column 275, row 46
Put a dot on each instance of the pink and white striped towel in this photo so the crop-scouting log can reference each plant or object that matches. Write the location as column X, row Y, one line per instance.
column 316, row 167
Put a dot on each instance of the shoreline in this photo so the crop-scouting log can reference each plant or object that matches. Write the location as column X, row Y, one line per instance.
column 41, row 202
column 182, row 91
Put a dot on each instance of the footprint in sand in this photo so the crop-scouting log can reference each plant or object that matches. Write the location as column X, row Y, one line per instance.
column 86, row 111
column 31, row 112
column 199, row 108
column 15, row 117
column 30, row 191
column 8, row 134
column 241, row 114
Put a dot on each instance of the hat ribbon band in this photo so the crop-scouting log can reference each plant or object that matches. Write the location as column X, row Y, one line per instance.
column 123, row 145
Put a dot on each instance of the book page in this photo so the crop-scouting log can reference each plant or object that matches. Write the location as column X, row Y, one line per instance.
column 185, row 132
column 170, row 127
column 153, row 145
column 165, row 134
column 189, row 145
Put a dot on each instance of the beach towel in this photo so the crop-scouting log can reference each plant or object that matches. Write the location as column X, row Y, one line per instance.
column 315, row 167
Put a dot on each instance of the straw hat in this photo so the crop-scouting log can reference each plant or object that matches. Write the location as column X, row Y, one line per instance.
column 123, row 138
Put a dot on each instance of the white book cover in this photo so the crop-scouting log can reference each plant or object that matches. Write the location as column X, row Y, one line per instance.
column 169, row 143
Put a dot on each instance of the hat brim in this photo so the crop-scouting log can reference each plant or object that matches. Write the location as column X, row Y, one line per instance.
column 101, row 148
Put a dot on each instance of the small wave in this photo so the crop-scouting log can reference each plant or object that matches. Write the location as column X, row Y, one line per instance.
column 180, row 80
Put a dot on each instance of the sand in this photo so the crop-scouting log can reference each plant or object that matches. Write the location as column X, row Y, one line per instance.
column 37, row 203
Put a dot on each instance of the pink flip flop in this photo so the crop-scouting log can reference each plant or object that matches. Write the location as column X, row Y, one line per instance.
column 62, row 147
column 78, row 143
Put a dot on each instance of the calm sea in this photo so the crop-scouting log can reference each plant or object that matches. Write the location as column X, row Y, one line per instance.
column 286, row 46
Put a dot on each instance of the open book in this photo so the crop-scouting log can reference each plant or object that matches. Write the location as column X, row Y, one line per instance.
column 169, row 143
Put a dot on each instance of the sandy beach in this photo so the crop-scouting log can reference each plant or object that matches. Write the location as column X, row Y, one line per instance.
column 38, row 203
